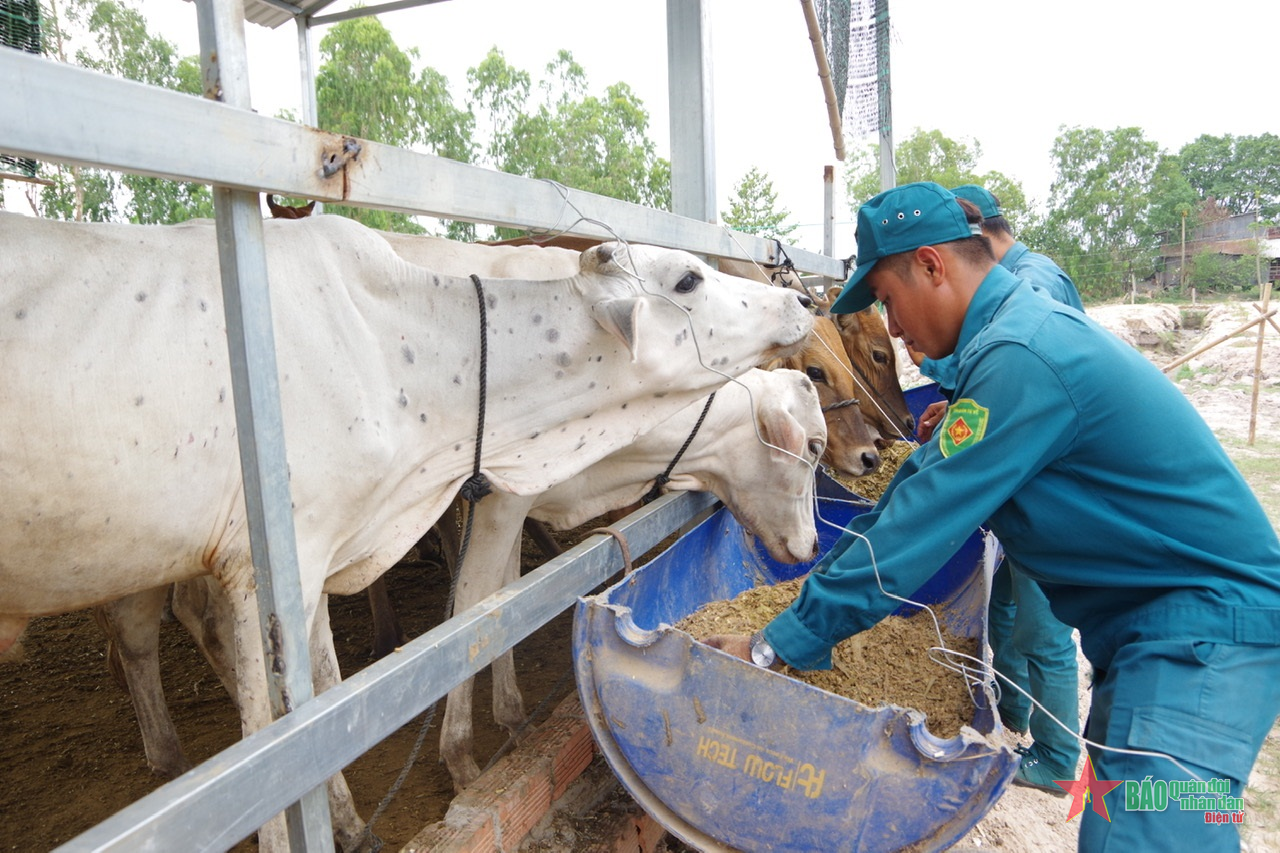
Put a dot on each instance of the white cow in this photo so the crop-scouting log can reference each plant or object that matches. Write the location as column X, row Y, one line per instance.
column 756, row 450
column 119, row 426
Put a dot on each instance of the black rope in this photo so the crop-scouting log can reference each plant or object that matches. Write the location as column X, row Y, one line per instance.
column 475, row 488
column 665, row 477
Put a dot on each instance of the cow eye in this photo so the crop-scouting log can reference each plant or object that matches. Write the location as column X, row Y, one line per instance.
column 689, row 283
column 817, row 374
column 816, row 446
column 880, row 357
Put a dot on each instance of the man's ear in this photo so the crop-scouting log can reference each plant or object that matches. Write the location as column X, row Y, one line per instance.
column 930, row 260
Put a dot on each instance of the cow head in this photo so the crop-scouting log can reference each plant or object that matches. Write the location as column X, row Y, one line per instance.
column 870, row 349
column 679, row 317
column 778, row 508
column 851, row 447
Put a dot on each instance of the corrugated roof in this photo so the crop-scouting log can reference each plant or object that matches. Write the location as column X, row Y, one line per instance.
column 273, row 13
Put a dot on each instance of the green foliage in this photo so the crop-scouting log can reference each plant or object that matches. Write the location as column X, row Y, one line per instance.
column 368, row 87
column 753, row 209
column 120, row 45
column 931, row 156
column 1242, row 174
column 564, row 134
column 1213, row 271
column 1098, row 227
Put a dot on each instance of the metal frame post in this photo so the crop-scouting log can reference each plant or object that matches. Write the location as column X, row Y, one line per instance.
column 693, row 160
column 255, row 386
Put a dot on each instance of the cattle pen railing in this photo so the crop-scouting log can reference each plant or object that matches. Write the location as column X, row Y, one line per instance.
column 64, row 114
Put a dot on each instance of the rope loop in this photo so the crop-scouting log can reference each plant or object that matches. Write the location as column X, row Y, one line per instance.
column 841, row 405
column 476, row 487
column 665, row 477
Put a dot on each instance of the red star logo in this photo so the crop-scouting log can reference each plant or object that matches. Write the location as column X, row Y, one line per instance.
column 960, row 431
column 1088, row 788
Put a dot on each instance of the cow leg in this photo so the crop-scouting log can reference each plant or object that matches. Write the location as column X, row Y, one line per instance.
column 11, row 628
column 252, row 695
column 495, row 542
column 387, row 633
column 348, row 828
column 508, row 704
column 205, row 611
column 132, row 626
column 541, row 536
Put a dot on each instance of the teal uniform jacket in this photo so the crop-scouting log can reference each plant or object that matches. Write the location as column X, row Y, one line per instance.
column 1043, row 274
column 1099, row 478
column 1037, row 270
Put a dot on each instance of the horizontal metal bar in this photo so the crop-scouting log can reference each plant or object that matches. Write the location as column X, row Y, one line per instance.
column 60, row 113
column 229, row 796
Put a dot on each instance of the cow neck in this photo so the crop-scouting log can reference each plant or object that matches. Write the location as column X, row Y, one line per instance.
column 665, row 477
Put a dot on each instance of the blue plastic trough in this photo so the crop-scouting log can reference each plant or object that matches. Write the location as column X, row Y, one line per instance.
column 727, row 756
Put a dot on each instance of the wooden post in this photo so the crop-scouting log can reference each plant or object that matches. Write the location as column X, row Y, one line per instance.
column 1184, row 359
column 1257, row 363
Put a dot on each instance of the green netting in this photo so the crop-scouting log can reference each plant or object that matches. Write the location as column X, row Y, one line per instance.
column 20, row 28
column 20, row 25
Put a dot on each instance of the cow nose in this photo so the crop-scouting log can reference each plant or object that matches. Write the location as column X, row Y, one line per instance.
column 871, row 460
column 804, row 300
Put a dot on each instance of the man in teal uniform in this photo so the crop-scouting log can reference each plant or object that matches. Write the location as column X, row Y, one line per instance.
column 1028, row 645
column 1012, row 254
column 1102, row 483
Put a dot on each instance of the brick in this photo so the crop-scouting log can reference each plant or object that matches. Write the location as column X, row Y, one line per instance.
column 461, row 831
column 498, row 810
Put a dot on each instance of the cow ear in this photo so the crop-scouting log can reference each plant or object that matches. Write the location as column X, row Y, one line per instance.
column 781, row 430
column 606, row 258
column 621, row 318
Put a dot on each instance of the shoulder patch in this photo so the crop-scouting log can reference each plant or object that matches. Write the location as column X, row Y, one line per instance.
column 965, row 426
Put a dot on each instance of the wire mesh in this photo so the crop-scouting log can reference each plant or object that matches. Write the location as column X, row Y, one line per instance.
column 20, row 28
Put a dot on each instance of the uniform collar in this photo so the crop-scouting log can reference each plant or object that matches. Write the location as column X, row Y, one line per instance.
column 987, row 299
column 1015, row 253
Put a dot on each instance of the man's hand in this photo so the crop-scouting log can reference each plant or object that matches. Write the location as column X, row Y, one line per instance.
column 930, row 419
column 738, row 645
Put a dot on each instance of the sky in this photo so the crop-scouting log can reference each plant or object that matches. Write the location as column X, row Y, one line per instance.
column 1005, row 75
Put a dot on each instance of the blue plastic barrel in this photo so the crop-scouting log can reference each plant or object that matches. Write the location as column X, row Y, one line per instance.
column 727, row 756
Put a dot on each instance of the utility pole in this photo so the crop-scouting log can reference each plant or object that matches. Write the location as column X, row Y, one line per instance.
column 1182, row 267
column 888, row 172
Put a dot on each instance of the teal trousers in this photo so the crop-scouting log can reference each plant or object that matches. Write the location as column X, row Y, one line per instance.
column 1030, row 646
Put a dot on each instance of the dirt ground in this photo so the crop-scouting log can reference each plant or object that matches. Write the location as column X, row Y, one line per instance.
column 73, row 755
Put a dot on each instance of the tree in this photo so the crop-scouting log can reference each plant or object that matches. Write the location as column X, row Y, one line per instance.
column 368, row 87
column 931, row 156
column 562, row 133
column 1241, row 173
column 753, row 208
column 1100, row 202
column 121, row 46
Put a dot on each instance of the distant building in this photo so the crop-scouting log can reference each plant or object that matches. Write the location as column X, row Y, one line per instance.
column 1235, row 236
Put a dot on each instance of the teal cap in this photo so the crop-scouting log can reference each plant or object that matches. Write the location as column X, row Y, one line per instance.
column 984, row 200
column 900, row 220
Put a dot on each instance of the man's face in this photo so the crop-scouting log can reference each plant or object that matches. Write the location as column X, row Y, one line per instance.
column 916, row 308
